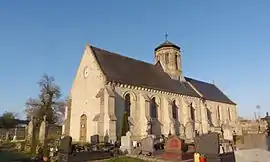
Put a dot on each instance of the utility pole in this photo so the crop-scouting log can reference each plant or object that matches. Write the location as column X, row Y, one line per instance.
column 258, row 107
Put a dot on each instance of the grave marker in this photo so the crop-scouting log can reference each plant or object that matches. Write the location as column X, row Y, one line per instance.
column 173, row 148
column 126, row 143
column 66, row 145
column 95, row 139
column 65, row 149
column 207, row 143
column 147, row 145
column 43, row 131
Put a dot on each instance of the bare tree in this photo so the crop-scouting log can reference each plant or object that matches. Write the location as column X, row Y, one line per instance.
column 48, row 102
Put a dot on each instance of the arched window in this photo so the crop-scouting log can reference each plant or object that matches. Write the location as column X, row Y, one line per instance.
column 209, row 116
column 176, row 62
column 229, row 114
column 167, row 58
column 127, row 104
column 218, row 112
column 192, row 112
column 174, row 110
column 153, row 108
column 83, row 127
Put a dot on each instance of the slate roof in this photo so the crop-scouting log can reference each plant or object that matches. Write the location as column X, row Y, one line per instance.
column 209, row 91
column 127, row 70
column 167, row 44
column 130, row 71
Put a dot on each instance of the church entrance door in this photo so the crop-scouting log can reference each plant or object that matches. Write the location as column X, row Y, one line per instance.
column 83, row 128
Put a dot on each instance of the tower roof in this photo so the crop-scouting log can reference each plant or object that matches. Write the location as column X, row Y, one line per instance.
column 167, row 44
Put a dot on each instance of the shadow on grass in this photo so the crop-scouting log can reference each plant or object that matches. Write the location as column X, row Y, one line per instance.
column 8, row 155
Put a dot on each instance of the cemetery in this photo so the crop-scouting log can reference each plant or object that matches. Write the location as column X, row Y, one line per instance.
column 210, row 147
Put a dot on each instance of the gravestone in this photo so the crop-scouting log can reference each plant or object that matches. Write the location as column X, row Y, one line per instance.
column 43, row 131
column 210, row 140
column 30, row 136
column 95, row 139
column 147, row 145
column 65, row 148
column 173, row 148
column 30, row 129
column 65, row 144
column 126, row 143
column 15, row 134
column 208, row 145
column 228, row 133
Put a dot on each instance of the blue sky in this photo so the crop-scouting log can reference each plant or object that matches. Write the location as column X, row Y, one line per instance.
column 225, row 41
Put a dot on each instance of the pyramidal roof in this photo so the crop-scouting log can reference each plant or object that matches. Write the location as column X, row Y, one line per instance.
column 167, row 44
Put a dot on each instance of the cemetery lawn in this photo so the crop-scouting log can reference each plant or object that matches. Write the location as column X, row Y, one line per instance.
column 7, row 154
column 10, row 155
column 123, row 159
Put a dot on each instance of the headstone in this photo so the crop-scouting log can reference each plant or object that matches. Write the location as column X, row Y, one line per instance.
column 95, row 139
column 173, row 148
column 126, row 143
column 66, row 145
column 208, row 145
column 15, row 134
column 30, row 137
column 43, row 131
column 173, row 145
column 228, row 133
column 147, row 145
column 65, row 149
column 30, row 129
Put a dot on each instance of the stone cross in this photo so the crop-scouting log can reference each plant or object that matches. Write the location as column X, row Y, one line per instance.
column 126, row 143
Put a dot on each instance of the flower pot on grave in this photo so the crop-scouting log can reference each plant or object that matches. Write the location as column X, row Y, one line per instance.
column 45, row 158
column 202, row 158
column 46, row 153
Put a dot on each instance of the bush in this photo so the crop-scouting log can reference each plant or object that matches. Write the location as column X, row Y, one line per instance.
column 125, row 124
column 185, row 147
column 46, row 151
column 116, row 152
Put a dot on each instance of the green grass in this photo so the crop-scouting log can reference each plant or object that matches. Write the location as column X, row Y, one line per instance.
column 123, row 159
column 8, row 155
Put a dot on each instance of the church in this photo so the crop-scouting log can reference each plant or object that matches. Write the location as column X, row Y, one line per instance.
column 155, row 96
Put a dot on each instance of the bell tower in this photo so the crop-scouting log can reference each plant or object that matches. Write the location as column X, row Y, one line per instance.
column 169, row 56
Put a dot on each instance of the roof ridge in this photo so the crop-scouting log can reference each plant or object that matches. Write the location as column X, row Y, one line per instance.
column 199, row 80
column 115, row 53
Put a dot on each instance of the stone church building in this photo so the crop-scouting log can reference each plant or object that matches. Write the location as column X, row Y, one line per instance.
column 107, row 84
